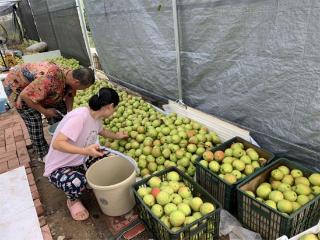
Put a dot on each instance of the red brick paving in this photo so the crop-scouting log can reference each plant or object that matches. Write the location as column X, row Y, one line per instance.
column 14, row 140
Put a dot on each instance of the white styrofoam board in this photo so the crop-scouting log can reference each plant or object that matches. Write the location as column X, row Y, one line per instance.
column 23, row 225
column 18, row 218
column 15, row 193
column 93, row 50
column 314, row 230
column 38, row 57
column 224, row 129
column 2, row 92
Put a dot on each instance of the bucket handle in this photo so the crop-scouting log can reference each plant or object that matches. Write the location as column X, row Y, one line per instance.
column 130, row 159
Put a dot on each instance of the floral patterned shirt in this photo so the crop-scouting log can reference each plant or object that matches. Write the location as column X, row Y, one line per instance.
column 43, row 83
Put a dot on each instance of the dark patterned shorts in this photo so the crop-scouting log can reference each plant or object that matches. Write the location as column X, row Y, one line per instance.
column 72, row 180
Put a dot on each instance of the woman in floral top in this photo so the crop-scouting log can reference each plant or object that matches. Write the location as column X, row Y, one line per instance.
column 44, row 87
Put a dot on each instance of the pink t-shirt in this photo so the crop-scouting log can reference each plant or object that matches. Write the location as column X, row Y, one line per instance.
column 82, row 130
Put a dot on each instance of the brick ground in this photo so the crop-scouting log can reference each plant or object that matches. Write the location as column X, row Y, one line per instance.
column 14, row 140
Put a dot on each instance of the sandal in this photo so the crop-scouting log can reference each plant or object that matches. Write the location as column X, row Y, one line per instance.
column 77, row 208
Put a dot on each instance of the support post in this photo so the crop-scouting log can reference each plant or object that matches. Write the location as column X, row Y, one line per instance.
column 177, row 47
column 84, row 31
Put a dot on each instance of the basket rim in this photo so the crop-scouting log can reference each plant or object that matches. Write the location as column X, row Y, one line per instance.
column 292, row 215
column 230, row 141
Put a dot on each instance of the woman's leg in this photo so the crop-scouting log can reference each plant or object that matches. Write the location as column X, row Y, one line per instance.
column 69, row 180
column 33, row 121
column 73, row 184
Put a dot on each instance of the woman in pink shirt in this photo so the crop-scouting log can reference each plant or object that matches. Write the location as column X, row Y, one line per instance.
column 73, row 141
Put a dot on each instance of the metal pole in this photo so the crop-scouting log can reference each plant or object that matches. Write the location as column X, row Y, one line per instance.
column 6, row 68
column 84, row 31
column 177, row 46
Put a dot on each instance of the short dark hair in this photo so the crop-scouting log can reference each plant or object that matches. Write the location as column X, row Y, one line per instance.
column 84, row 75
column 104, row 97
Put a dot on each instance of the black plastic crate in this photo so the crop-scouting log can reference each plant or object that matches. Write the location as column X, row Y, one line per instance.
column 223, row 191
column 267, row 221
column 204, row 228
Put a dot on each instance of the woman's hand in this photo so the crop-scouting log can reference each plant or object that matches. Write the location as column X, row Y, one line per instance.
column 50, row 112
column 93, row 150
column 121, row 135
column 109, row 134
column 19, row 103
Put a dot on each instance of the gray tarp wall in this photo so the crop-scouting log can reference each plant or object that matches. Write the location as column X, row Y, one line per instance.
column 9, row 21
column 27, row 20
column 58, row 24
column 252, row 62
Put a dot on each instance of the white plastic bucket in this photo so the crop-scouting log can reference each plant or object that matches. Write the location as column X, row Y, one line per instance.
column 3, row 102
column 111, row 179
column 53, row 128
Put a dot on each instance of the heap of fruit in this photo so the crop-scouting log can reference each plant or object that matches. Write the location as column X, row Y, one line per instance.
column 11, row 61
column 66, row 62
column 156, row 141
column 233, row 163
column 23, row 45
column 310, row 236
column 83, row 96
column 172, row 201
column 60, row 61
column 287, row 190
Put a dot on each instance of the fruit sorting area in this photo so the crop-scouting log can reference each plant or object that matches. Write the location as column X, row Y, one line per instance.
column 160, row 141
column 188, row 175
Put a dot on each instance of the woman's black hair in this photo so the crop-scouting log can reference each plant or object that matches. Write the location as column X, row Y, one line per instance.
column 104, row 97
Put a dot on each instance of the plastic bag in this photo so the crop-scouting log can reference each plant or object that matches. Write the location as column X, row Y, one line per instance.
column 240, row 233
column 229, row 225
column 37, row 47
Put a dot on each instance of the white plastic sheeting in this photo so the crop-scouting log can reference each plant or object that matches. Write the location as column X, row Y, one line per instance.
column 6, row 7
